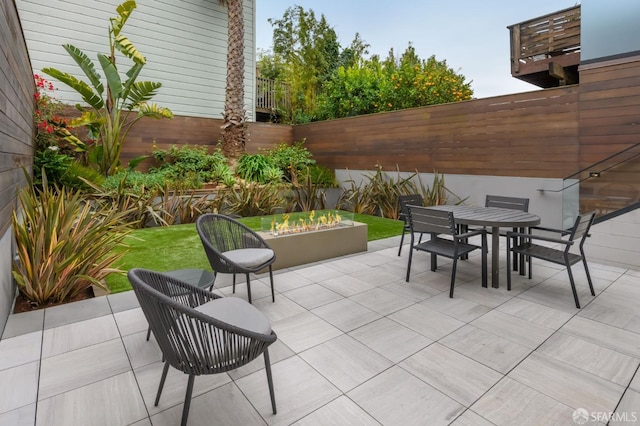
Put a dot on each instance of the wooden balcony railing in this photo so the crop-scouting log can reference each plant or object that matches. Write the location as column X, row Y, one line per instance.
column 271, row 95
column 548, row 38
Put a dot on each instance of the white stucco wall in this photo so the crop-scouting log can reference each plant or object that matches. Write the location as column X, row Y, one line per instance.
column 185, row 43
column 546, row 204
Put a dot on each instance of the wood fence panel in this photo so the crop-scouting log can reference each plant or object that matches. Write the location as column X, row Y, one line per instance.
column 16, row 112
column 534, row 134
column 180, row 131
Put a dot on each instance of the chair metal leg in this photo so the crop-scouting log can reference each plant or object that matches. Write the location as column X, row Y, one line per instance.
column 248, row 288
column 401, row 242
column 586, row 270
column 215, row 275
column 267, row 367
column 573, row 286
column 484, row 261
column 234, row 284
column 187, row 400
column 273, row 294
column 162, row 379
column 453, row 276
column 148, row 333
column 409, row 262
column 509, row 264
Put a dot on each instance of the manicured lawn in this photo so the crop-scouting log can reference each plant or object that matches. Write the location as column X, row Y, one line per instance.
column 177, row 247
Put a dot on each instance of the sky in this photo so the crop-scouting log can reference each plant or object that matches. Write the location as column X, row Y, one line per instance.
column 470, row 35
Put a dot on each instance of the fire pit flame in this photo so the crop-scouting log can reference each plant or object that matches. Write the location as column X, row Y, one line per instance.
column 288, row 225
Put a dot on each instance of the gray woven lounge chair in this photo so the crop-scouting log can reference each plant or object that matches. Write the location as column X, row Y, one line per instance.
column 200, row 332
column 439, row 222
column 562, row 256
column 233, row 248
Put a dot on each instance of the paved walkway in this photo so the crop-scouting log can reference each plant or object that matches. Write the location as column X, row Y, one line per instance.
column 356, row 345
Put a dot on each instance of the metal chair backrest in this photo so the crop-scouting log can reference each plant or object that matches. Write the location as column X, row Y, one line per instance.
column 406, row 200
column 512, row 203
column 580, row 229
column 427, row 220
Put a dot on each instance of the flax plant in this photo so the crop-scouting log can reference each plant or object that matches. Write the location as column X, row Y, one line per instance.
column 182, row 206
column 64, row 243
column 253, row 199
column 437, row 193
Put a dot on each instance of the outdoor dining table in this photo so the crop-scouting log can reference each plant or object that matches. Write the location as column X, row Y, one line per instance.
column 495, row 218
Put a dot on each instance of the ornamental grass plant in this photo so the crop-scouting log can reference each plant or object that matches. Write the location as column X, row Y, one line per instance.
column 64, row 243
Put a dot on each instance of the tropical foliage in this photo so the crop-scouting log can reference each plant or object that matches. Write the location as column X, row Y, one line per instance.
column 111, row 113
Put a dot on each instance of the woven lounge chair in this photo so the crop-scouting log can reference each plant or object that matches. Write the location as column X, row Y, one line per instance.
column 233, row 248
column 200, row 332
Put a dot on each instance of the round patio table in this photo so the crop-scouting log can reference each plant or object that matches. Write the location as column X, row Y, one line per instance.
column 495, row 218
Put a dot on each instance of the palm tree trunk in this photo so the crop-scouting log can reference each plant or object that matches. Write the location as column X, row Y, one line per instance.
column 234, row 127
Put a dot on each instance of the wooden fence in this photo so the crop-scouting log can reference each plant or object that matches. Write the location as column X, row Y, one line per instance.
column 549, row 133
column 16, row 112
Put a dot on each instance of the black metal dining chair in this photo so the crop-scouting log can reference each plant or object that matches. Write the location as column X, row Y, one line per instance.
column 511, row 203
column 561, row 256
column 437, row 222
column 404, row 201
column 200, row 332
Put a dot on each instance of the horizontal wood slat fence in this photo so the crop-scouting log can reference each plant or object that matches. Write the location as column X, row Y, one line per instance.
column 532, row 134
column 548, row 133
column 16, row 113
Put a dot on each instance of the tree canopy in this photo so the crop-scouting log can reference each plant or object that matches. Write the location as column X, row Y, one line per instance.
column 328, row 81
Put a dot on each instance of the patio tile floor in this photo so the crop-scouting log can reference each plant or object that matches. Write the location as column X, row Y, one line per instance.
column 356, row 345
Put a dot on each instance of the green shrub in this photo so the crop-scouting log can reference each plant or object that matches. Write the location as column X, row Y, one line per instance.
column 191, row 164
column 53, row 163
column 320, row 175
column 252, row 167
column 135, row 182
column 290, row 158
column 77, row 176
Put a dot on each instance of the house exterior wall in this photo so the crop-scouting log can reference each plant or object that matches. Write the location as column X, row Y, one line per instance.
column 185, row 44
column 16, row 139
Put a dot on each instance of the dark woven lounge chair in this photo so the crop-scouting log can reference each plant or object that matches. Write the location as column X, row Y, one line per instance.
column 562, row 256
column 233, row 248
column 199, row 332
column 436, row 223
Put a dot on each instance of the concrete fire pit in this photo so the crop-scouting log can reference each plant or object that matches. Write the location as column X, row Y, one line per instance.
column 311, row 246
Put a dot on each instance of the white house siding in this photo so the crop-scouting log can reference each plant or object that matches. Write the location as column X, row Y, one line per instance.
column 184, row 41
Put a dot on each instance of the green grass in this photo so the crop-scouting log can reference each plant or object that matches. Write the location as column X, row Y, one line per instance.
column 178, row 246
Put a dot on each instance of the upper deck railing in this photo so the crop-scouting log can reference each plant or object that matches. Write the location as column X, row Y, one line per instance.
column 271, row 95
column 544, row 37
